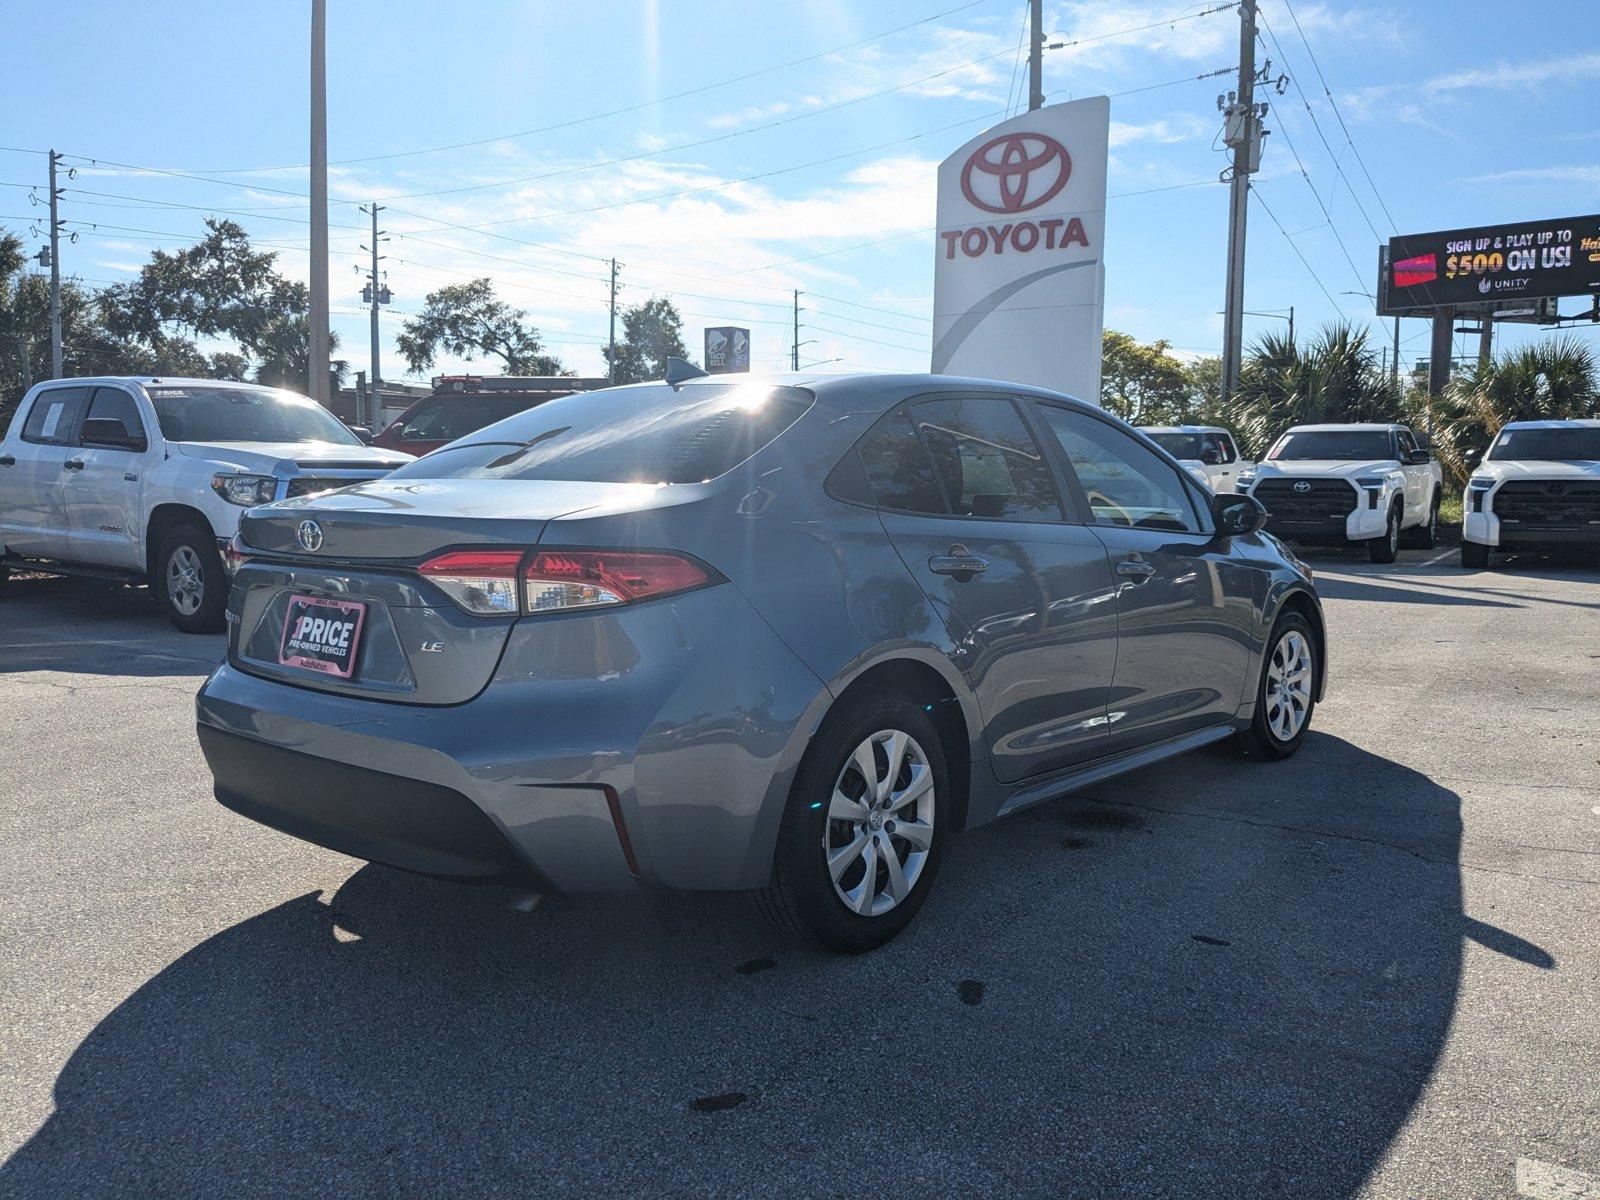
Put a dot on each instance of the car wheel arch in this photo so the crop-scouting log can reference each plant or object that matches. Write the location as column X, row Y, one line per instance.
column 1303, row 602
column 164, row 518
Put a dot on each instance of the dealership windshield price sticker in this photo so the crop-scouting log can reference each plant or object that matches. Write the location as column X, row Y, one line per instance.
column 1490, row 265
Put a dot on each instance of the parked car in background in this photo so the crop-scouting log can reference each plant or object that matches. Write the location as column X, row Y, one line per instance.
column 874, row 610
column 1208, row 451
column 463, row 404
column 1350, row 483
column 1537, row 488
column 143, row 479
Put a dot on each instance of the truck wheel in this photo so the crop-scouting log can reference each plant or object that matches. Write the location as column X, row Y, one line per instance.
column 1424, row 536
column 864, row 828
column 1386, row 549
column 189, row 580
column 1474, row 555
column 1285, row 693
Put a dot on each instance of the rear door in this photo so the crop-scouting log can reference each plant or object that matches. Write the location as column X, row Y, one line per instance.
column 970, row 504
column 1185, row 608
column 33, row 518
column 1419, row 476
column 1225, row 473
column 102, row 498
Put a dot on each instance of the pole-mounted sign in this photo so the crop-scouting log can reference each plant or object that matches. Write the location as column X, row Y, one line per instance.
column 727, row 349
column 1511, row 265
column 1018, row 283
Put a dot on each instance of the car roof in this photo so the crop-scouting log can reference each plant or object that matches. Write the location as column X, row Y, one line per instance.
column 1183, row 429
column 845, row 392
column 1349, row 427
column 152, row 381
column 1574, row 423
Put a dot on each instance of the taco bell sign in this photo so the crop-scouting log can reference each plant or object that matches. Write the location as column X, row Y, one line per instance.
column 727, row 349
column 1018, row 282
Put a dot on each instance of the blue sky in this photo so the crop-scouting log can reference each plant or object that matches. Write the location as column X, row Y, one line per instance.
column 816, row 176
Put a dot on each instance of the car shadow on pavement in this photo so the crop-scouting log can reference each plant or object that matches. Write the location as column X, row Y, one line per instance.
column 87, row 627
column 1204, row 979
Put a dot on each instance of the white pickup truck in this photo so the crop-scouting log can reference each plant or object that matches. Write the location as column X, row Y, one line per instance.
column 1537, row 488
column 144, row 479
column 1350, row 483
column 1207, row 451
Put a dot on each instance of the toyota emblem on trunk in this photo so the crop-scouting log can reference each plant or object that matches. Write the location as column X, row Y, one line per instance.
column 309, row 535
column 1301, row 486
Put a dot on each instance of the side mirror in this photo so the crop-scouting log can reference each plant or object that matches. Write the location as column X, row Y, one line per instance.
column 1236, row 515
column 111, row 434
column 1211, row 456
column 362, row 432
column 1419, row 456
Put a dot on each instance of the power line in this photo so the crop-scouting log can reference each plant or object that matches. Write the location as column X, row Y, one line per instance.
column 1256, row 192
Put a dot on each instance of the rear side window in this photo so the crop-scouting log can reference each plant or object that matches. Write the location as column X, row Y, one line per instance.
column 899, row 468
column 645, row 434
column 988, row 462
column 54, row 416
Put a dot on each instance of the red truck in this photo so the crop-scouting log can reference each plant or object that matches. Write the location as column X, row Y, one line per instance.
column 463, row 404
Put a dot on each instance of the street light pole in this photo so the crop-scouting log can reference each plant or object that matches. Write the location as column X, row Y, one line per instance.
column 318, row 366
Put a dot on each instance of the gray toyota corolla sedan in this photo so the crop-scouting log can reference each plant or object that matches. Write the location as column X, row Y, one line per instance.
column 784, row 634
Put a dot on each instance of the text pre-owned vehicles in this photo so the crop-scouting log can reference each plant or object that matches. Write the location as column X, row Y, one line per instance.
column 463, row 404
column 1537, row 488
column 1349, row 483
column 781, row 634
column 144, row 479
column 1209, row 451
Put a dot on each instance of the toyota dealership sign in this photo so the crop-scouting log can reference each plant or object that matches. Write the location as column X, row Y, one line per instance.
column 1019, row 285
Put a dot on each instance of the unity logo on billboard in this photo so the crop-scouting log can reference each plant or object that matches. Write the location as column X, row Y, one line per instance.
column 1018, row 282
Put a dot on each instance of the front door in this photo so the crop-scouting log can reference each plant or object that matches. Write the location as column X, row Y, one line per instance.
column 102, row 497
column 970, row 504
column 1185, row 606
column 33, row 518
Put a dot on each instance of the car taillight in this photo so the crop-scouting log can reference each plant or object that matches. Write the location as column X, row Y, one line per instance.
column 480, row 581
column 495, row 582
column 555, row 580
column 234, row 555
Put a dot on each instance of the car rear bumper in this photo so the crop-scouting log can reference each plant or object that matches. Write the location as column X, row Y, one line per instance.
column 670, row 772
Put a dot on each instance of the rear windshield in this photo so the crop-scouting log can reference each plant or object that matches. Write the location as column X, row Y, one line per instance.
column 1179, row 445
column 206, row 413
column 1355, row 445
column 645, row 434
column 1547, row 445
column 446, row 418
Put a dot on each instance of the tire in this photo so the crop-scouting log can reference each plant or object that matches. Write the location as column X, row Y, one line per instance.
column 1426, row 535
column 1386, row 549
column 189, row 581
column 1290, row 657
column 1474, row 555
column 804, row 900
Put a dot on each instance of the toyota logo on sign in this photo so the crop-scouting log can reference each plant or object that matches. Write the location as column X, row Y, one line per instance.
column 309, row 535
column 1015, row 172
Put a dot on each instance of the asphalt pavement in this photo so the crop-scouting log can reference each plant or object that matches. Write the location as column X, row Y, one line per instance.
column 1373, row 970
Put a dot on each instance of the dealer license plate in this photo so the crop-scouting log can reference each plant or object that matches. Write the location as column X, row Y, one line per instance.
column 322, row 635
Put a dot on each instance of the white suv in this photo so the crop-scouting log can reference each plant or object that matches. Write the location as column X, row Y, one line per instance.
column 144, row 479
column 1208, row 452
column 1350, row 483
column 1539, row 486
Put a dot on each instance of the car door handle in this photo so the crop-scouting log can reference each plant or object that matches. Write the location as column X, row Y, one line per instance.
column 1132, row 568
column 8, row 460
column 72, row 464
column 959, row 562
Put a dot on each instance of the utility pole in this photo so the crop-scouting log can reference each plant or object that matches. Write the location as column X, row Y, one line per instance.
column 1394, row 366
column 794, row 354
column 55, row 271
column 1242, row 133
column 319, row 203
column 1036, row 55
column 377, row 294
column 611, row 356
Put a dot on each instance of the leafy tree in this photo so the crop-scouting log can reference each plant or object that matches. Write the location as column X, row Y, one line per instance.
column 468, row 320
column 1144, row 384
column 652, row 332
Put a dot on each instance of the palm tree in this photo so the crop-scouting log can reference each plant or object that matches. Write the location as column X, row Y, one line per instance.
column 1543, row 381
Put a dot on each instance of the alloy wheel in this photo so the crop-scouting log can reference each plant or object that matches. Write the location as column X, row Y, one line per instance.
column 1288, row 686
column 185, row 582
column 880, row 823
